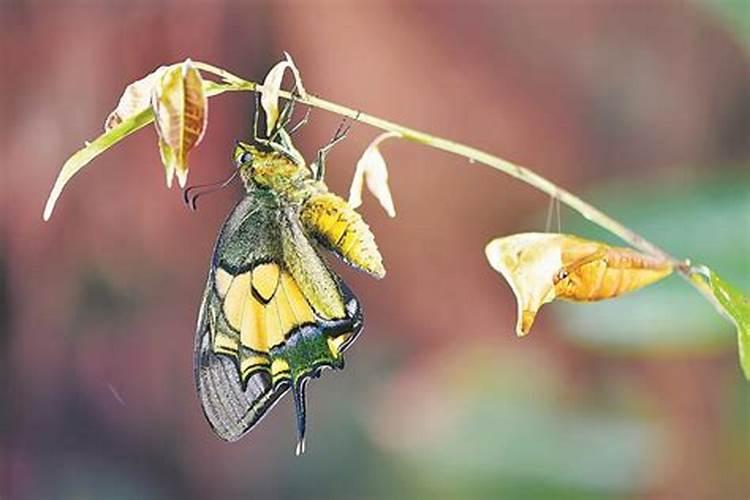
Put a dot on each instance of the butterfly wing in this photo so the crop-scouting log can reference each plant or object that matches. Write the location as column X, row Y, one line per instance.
column 273, row 315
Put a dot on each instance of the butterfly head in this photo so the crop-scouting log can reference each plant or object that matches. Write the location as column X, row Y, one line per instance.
column 263, row 167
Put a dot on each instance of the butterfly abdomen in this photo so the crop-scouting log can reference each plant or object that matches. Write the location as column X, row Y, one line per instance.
column 341, row 229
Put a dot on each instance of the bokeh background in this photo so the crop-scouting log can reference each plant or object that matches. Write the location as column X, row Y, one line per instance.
column 642, row 107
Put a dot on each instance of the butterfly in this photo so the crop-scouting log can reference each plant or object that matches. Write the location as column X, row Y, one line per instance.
column 274, row 314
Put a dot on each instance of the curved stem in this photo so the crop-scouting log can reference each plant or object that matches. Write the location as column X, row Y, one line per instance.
column 519, row 172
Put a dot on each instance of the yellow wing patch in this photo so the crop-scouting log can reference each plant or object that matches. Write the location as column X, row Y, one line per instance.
column 266, row 279
column 222, row 281
column 295, row 305
column 334, row 343
column 250, row 363
column 235, row 299
column 264, row 318
column 253, row 330
column 278, row 367
column 224, row 343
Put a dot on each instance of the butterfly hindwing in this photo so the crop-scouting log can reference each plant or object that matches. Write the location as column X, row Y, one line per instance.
column 273, row 316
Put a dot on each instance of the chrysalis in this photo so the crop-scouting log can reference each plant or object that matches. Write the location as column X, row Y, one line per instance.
column 543, row 266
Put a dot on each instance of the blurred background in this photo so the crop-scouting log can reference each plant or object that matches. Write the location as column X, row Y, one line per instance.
column 641, row 107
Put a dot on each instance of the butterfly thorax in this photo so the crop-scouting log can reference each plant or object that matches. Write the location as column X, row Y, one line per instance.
column 324, row 215
column 278, row 173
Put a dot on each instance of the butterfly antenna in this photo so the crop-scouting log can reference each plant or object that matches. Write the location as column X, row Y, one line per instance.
column 298, row 390
column 338, row 136
column 190, row 197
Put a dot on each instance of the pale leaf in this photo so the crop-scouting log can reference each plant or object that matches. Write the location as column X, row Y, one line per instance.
column 167, row 155
column 355, row 190
column 270, row 91
column 300, row 89
column 135, row 98
column 372, row 170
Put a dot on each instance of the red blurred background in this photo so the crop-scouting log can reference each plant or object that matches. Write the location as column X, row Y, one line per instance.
column 612, row 99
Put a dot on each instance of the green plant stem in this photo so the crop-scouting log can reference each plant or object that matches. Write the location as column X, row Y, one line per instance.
column 523, row 174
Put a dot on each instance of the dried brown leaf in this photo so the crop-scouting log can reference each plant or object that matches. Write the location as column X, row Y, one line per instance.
column 181, row 109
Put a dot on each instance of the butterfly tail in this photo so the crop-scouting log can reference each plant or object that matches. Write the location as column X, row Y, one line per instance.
column 298, row 390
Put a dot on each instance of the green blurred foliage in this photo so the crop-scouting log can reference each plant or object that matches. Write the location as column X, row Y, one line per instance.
column 737, row 307
column 736, row 13
column 504, row 427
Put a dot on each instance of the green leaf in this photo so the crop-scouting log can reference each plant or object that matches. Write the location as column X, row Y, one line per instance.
column 82, row 157
column 736, row 307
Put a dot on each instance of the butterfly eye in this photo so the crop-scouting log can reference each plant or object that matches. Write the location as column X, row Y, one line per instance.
column 562, row 275
column 242, row 157
column 245, row 158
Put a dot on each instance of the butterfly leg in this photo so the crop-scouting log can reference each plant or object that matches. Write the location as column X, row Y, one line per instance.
column 285, row 117
column 280, row 140
column 341, row 132
column 301, row 123
column 288, row 112
column 285, row 136
column 256, row 137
